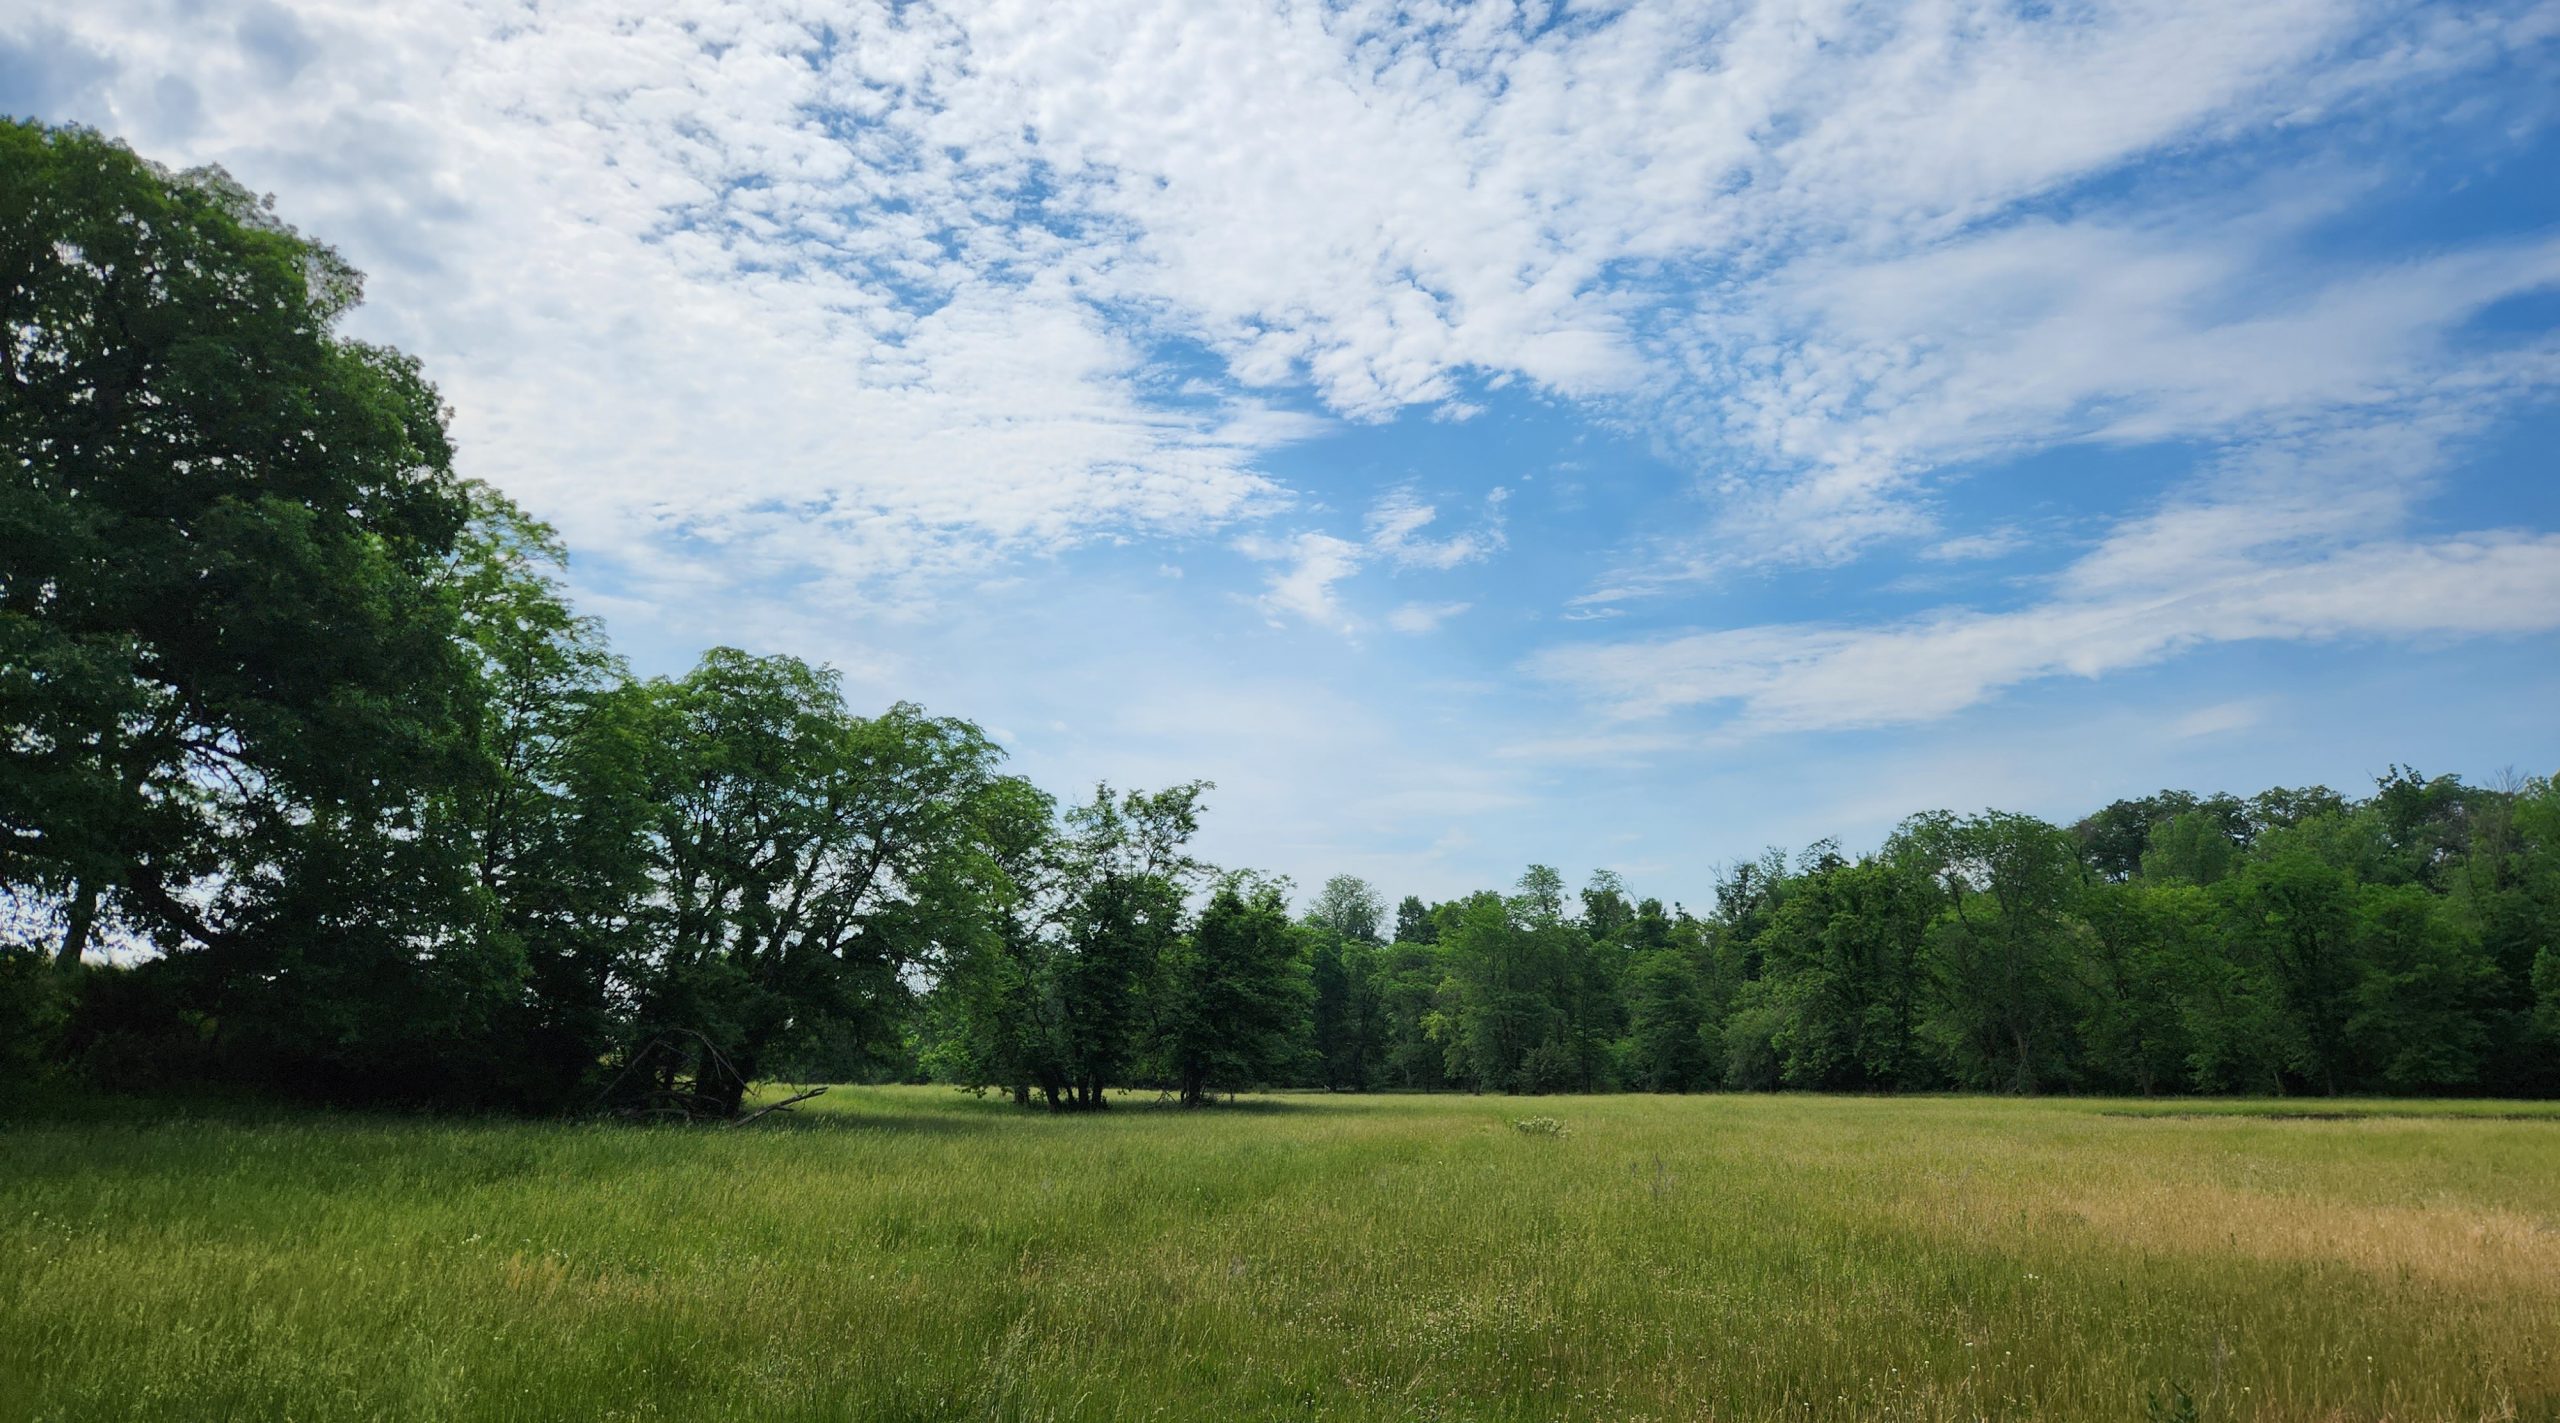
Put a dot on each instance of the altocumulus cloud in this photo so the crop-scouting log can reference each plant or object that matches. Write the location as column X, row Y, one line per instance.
column 898, row 272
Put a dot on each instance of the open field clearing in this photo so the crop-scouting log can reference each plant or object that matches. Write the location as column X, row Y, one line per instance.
column 912, row 1253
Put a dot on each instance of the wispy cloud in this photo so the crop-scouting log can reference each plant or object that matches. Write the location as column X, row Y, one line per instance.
column 1416, row 619
column 2258, row 552
column 1815, row 677
column 1311, row 563
column 1876, row 377
column 1397, row 521
column 1968, row 548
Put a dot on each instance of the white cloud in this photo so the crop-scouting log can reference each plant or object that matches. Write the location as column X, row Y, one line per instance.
column 1602, row 747
column 1816, row 677
column 2219, row 719
column 1863, row 381
column 1396, row 521
column 1312, row 563
column 1969, row 548
column 1419, row 618
column 2259, row 552
column 735, row 289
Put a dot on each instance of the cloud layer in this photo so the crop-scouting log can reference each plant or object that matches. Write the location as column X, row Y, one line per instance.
column 882, row 291
column 826, row 318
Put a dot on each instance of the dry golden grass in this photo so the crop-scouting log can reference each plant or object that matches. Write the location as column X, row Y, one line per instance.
column 2498, row 1253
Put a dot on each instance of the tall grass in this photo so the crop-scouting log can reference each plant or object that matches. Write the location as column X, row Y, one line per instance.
column 910, row 1253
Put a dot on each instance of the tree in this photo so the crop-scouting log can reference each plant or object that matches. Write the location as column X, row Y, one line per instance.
column 229, row 680
column 1666, row 1049
column 2291, row 920
column 555, row 821
column 2282, row 808
column 2522, row 933
column 993, row 1019
column 2417, row 1024
column 1414, row 923
column 2112, row 841
column 1491, row 1008
column 1540, row 901
column 2145, row 943
column 1410, row 977
column 1516, row 1011
column 1344, row 1023
column 1125, row 859
column 791, row 842
column 2425, row 824
column 1843, row 974
column 1231, row 994
column 2546, row 997
column 1346, row 1017
column 2000, row 949
column 1349, row 909
column 2193, row 847
column 1606, row 910
column 217, row 523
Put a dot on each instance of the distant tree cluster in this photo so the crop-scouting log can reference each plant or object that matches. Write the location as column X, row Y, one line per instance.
column 2295, row 942
column 317, row 785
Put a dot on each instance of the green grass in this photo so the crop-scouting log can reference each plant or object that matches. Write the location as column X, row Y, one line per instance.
column 911, row 1253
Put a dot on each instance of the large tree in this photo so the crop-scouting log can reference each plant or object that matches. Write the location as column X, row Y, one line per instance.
column 994, row 1018
column 1229, row 993
column 2001, row 948
column 1349, row 908
column 1126, row 857
column 554, row 824
column 793, row 843
column 1843, row 969
column 231, row 689
column 219, row 523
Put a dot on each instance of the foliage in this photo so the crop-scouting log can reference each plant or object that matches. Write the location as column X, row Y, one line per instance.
column 229, row 677
column 1231, row 996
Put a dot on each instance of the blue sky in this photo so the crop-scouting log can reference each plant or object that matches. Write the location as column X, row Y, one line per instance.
column 1606, row 435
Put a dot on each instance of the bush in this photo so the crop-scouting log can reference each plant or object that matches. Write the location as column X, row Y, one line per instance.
column 32, row 1003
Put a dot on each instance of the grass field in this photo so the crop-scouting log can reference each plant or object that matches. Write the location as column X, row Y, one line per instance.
column 912, row 1253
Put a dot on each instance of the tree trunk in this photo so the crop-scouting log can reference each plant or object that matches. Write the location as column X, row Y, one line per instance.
column 732, row 1091
column 80, row 920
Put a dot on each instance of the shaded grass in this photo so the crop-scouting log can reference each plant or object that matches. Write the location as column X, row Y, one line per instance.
column 913, row 1253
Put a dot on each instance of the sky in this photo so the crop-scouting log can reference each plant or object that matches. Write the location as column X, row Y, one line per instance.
column 1611, row 436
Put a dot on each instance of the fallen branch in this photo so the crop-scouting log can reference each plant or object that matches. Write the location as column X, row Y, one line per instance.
column 778, row 1106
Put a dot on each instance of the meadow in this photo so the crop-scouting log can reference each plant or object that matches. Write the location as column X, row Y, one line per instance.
column 892, row 1253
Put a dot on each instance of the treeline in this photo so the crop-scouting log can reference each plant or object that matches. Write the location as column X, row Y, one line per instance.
column 318, row 785
column 2295, row 942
